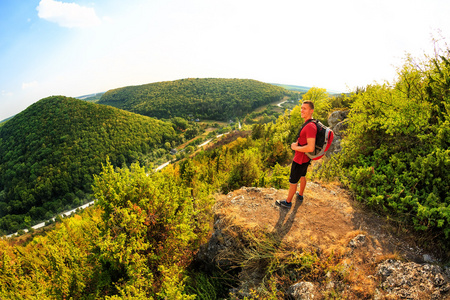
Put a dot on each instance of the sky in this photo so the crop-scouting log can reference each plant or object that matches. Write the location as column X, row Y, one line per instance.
column 79, row 47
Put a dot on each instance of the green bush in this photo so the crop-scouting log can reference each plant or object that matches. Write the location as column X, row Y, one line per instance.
column 150, row 227
column 396, row 155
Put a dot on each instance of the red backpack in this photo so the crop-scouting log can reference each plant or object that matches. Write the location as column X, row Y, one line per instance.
column 324, row 138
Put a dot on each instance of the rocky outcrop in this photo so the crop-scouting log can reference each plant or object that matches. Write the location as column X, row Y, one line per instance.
column 409, row 280
column 337, row 122
column 398, row 280
column 359, row 263
column 337, row 117
column 208, row 253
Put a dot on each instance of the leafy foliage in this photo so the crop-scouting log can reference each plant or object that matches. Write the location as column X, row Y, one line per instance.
column 207, row 98
column 322, row 106
column 150, row 227
column 135, row 244
column 396, row 155
column 59, row 265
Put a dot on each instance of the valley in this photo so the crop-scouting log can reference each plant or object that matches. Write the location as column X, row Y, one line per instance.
column 375, row 206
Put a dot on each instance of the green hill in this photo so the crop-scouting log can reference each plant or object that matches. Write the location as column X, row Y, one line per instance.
column 208, row 98
column 147, row 234
column 50, row 151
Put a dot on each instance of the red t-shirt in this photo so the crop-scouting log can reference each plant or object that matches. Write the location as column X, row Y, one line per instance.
column 309, row 131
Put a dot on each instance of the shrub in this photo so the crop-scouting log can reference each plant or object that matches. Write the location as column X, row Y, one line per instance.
column 149, row 229
column 396, row 155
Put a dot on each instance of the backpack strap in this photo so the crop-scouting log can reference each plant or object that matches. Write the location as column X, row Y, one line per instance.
column 303, row 126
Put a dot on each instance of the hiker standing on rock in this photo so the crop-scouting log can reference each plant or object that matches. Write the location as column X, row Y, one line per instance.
column 305, row 143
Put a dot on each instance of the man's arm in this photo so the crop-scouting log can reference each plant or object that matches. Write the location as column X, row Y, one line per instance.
column 309, row 147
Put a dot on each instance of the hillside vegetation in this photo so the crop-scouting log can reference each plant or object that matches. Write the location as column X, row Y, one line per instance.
column 140, row 239
column 204, row 98
column 50, row 151
column 396, row 156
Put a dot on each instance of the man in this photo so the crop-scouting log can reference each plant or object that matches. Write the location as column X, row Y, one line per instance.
column 305, row 143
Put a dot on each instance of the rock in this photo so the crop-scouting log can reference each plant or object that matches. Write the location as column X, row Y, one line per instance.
column 336, row 117
column 358, row 241
column 413, row 281
column 335, row 146
column 251, row 189
column 337, row 123
column 428, row 258
column 340, row 128
column 302, row 291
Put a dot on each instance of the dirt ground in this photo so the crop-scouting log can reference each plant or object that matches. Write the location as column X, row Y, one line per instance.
column 328, row 217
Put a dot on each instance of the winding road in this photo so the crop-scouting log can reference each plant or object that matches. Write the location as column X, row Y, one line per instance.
column 68, row 213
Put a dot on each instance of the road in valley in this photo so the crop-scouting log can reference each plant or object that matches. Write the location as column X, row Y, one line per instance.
column 64, row 214
column 68, row 213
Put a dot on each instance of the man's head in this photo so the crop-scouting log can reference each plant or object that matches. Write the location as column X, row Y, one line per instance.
column 307, row 110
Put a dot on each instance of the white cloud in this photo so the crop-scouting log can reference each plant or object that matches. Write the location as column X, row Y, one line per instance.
column 69, row 15
column 29, row 85
column 6, row 94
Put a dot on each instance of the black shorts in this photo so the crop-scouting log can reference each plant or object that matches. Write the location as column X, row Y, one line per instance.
column 298, row 171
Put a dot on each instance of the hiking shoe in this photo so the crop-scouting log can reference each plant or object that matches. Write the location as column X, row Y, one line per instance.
column 283, row 203
column 298, row 197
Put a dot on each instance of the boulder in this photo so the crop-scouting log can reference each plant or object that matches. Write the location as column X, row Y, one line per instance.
column 337, row 117
column 358, row 241
column 335, row 147
column 411, row 280
column 338, row 123
column 302, row 291
column 339, row 128
column 208, row 254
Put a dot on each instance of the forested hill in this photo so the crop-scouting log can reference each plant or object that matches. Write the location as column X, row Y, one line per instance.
column 207, row 98
column 50, row 151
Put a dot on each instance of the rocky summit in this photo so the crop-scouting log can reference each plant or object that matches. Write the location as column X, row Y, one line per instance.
column 325, row 245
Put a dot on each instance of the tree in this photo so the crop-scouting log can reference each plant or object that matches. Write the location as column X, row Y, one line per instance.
column 322, row 103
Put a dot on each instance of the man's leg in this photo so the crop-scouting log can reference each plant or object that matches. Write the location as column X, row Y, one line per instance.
column 302, row 185
column 294, row 177
column 291, row 193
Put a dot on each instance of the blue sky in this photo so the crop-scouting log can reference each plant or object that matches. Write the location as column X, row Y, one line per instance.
column 79, row 47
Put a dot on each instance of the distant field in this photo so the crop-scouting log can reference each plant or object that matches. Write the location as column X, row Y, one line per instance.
column 293, row 87
column 92, row 97
column 302, row 89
